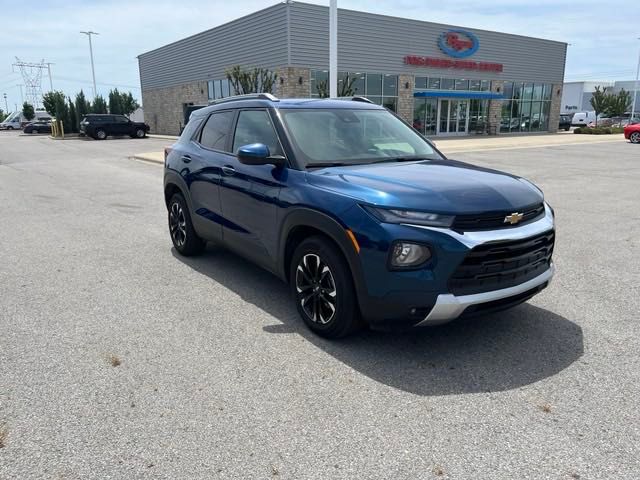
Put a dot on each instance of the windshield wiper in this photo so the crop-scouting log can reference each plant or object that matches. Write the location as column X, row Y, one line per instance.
column 324, row 164
column 400, row 159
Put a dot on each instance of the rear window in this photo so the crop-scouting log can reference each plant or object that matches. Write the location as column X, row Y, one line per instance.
column 215, row 133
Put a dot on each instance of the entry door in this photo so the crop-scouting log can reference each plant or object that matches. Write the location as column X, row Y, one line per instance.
column 453, row 117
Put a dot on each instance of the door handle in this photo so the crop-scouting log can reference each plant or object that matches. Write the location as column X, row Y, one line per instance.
column 185, row 158
column 228, row 170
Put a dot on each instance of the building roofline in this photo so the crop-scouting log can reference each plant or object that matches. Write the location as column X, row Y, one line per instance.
column 285, row 3
column 272, row 7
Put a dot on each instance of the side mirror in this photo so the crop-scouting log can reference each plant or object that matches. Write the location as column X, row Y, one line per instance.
column 258, row 154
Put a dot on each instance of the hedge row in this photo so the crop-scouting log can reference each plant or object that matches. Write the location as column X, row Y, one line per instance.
column 599, row 130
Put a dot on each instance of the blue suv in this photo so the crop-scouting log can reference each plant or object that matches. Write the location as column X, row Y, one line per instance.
column 364, row 218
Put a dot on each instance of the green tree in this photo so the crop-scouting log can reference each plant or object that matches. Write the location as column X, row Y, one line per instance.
column 323, row 88
column 599, row 101
column 99, row 105
column 618, row 104
column 256, row 80
column 28, row 111
column 115, row 102
column 82, row 107
column 73, row 117
column 345, row 87
column 55, row 103
column 129, row 104
column 2, row 114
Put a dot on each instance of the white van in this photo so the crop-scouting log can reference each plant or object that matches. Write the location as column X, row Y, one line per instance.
column 582, row 119
column 16, row 120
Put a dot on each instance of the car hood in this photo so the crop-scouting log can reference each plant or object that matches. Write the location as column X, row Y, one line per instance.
column 440, row 186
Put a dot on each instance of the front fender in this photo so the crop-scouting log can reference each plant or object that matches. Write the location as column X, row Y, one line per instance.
column 332, row 228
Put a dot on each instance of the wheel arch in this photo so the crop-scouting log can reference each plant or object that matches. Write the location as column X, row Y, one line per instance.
column 305, row 222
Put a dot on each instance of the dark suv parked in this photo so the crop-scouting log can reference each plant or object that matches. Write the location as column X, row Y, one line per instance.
column 100, row 126
column 358, row 212
column 565, row 122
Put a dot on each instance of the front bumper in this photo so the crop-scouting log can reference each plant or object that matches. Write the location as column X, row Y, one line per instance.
column 424, row 297
column 449, row 307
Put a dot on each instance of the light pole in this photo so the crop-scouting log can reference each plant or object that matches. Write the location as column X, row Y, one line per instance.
column 635, row 90
column 6, row 105
column 333, row 48
column 93, row 72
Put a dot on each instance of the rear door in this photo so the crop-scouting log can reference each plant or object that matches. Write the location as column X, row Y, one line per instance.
column 120, row 125
column 208, row 154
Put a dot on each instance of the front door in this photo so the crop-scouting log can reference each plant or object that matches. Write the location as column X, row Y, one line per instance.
column 453, row 117
column 249, row 193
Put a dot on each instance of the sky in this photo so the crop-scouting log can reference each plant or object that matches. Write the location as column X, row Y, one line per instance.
column 603, row 39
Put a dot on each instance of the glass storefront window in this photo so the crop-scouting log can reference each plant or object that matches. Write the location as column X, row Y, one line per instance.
column 318, row 77
column 434, row 83
column 461, row 84
column 421, row 82
column 485, row 85
column 474, row 85
column 537, row 91
column 210, row 90
column 447, row 84
column 546, row 93
column 527, row 93
column 389, row 103
column 374, row 84
column 517, row 90
column 390, row 86
column 359, row 84
column 507, row 90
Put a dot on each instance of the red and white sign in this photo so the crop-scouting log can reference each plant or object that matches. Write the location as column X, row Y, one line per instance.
column 449, row 63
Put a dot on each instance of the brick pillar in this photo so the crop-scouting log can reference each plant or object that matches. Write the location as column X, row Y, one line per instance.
column 495, row 108
column 405, row 97
column 556, row 104
column 293, row 82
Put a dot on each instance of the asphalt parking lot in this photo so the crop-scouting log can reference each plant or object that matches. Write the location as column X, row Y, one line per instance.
column 119, row 359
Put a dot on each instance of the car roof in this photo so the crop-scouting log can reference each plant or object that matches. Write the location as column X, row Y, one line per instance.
column 256, row 101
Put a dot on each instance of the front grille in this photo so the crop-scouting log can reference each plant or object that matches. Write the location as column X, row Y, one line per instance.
column 495, row 220
column 504, row 264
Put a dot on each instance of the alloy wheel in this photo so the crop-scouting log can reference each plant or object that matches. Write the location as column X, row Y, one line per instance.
column 635, row 137
column 139, row 133
column 316, row 289
column 177, row 224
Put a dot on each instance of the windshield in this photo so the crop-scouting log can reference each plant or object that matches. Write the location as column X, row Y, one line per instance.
column 350, row 137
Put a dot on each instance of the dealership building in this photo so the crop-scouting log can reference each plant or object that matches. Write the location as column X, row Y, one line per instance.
column 443, row 79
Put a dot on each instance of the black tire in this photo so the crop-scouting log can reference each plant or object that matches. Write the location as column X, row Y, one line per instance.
column 183, row 235
column 100, row 134
column 140, row 133
column 567, row 129
column 634, row 137
column 9, row 128
column 330, row 309
column 34, row 131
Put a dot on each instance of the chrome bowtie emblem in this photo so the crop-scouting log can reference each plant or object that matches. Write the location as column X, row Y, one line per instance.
column 513, row 218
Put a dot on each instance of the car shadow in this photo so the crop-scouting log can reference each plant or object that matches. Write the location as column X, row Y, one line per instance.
column 497, row 352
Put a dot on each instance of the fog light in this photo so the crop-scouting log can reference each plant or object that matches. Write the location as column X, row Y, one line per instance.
column 407, row 255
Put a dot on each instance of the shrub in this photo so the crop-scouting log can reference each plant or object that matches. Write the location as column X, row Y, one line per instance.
column 578, row 130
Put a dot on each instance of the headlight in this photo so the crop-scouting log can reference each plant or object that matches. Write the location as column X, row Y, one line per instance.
column 410, row 216
column 407, row 254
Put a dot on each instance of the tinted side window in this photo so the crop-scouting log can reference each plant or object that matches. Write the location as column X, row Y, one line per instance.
column 120, row 119
column 190, row 129
column 254, row 126
column 216, row 131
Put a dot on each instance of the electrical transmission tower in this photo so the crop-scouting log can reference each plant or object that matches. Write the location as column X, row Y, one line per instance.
column 32, row 78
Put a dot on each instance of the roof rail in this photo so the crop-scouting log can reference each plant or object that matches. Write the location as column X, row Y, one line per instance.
column 249, row 96
column 355, row 98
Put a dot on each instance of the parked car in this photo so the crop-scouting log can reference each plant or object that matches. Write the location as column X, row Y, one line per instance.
column 16, row 120
column 583, row 119
column 565, row 123
column 632, row 132
column 37, row 127
column 364, row 218
column 100, row 126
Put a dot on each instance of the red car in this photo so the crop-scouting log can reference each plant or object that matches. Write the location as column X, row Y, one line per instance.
column 632, row 132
